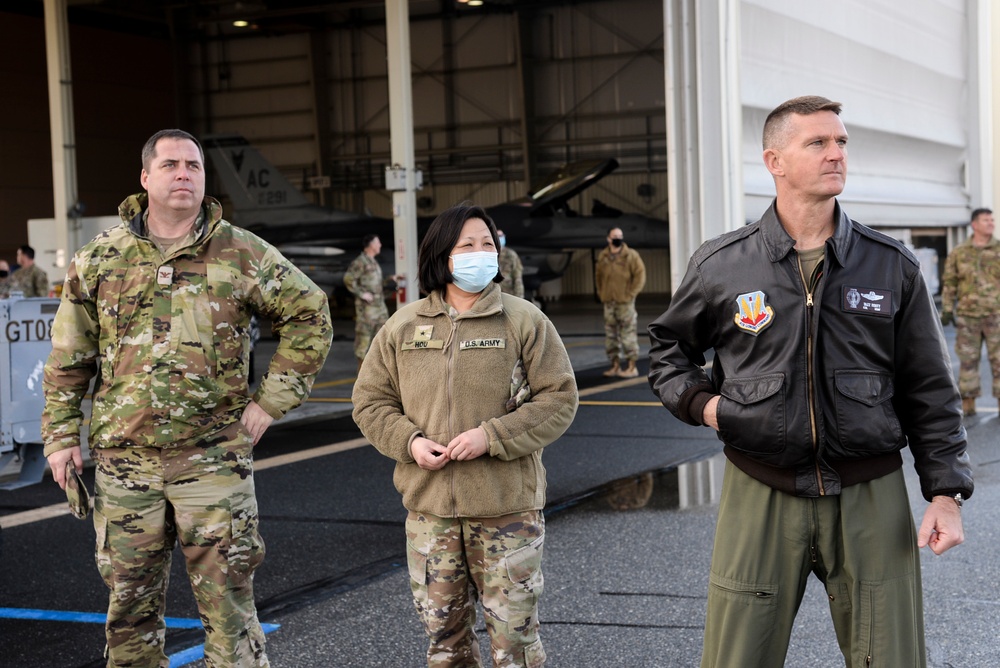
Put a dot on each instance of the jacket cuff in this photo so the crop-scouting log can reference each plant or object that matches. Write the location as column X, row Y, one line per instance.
column 692, row 404
column 269, row 408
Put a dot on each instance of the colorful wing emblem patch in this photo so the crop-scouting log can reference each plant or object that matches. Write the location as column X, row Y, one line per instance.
column 754, row 314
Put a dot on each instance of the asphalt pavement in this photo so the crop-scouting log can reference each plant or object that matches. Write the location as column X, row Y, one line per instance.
column 630, row 525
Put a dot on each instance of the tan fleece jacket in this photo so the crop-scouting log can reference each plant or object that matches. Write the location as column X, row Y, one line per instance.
column 427, row 374
column 619, row 276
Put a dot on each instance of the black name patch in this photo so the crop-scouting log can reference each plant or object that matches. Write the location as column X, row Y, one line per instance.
column 870, row 301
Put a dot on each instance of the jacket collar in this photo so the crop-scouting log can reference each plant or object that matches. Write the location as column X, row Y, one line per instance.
column 489, row 303
column 779, row 244
column 132, row 208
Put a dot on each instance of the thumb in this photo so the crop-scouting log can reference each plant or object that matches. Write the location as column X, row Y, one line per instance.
column 925, row 533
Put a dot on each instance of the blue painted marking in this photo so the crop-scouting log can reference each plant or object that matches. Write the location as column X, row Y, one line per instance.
column 177, row 659
column 192, row 654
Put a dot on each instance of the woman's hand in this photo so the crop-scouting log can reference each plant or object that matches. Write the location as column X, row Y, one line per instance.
column 468, row 445
column 429, row 455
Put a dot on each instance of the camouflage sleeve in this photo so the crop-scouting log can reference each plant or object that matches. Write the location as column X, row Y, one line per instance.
column 300, row 316
column 71, row 364
column 41, row 283
column 351, row 276
column 949, row 282
column 517, row 275
column 638, row 279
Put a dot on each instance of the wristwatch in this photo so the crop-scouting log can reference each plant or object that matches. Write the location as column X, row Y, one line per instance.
column 959, row 499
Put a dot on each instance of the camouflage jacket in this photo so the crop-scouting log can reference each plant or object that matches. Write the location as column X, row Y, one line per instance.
column 619, row 276
column 365, row 275
column 168, row 336
column 513, row 272
column 32, row 281
column 972, row 278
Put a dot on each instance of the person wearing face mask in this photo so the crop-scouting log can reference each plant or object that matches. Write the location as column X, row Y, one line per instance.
column 511, row 268
column 4, row 279
column 463, row 389
column 620, row 276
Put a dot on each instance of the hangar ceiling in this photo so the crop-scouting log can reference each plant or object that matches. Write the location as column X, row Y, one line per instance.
column 187, row 20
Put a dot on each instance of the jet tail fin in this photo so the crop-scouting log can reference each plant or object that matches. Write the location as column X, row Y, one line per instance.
column 247, row 177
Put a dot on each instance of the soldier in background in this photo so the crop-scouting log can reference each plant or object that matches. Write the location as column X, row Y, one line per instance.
column 971, row 299
column 511, row 268
column 620, row 276
column 30, row 278
column 364, row 280
column 170, row 292
column 4, row 279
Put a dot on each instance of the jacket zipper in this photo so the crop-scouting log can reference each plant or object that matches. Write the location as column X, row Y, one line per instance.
column 810, row 287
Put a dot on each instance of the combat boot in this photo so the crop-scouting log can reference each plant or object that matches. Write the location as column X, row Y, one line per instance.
column 969, row 405
column 630, row 371
column 613, row 371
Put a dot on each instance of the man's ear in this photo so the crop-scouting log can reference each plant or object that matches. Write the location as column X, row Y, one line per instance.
column 773, row 162
column 143, row 177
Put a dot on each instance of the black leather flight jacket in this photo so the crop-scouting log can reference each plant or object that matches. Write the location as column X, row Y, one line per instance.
column 820, row 388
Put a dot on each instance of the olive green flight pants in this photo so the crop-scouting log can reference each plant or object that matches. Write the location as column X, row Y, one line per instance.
column 861, row 544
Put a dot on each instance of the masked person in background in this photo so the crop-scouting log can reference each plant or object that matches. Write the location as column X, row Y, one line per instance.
column 4, row 279
column 620, row 276
column 463, row 389
column 511, row 268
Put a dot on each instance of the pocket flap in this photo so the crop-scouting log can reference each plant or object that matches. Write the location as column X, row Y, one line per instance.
column 867, row 387
column 752, row 390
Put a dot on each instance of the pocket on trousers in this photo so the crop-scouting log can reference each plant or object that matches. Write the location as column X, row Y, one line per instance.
column 102, row 554
column 523, row 567
column 751, row 608
column 416, row 564
column 534, row 655
column 246, row 549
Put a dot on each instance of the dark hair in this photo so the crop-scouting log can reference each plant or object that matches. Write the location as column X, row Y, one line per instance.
column 367, row 239
column 979, row 212
column 149, row 148
column 440, row 239
column 776, row 123
column 28, row 251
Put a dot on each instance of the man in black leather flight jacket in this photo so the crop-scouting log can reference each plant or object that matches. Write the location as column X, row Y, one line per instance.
column 829, row 359
column 878, row 376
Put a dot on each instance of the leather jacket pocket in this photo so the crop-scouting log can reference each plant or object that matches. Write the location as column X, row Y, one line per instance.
column 866, row 420
column 751, row 413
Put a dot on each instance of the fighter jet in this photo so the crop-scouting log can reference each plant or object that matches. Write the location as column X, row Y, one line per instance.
column 541, row 226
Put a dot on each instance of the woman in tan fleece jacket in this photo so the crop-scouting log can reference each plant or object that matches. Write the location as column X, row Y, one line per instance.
column 463, row 389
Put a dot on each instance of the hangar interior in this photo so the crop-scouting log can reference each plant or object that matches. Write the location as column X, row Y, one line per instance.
column 504, row 93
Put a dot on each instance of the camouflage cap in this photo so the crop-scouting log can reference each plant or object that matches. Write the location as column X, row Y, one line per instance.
column 76, row 493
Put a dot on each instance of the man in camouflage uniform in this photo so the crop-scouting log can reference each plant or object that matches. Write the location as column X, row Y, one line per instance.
column 620, row 276
column 511, row 268
column 364, row 280
column 972, row 279
column 4, row 279
column 29, row 278
column 158, row 309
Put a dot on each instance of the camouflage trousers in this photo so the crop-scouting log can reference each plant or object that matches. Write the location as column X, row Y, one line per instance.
column 201, row 496
column 454, row 561
column 970, row 334
column 621, row 340
column 368, row 319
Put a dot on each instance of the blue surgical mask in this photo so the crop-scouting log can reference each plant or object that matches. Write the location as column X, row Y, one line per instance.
column 503, row 242
column 474, row 271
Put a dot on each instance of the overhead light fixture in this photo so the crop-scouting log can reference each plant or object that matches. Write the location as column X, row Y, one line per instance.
column 240, row 23
column 475, row 3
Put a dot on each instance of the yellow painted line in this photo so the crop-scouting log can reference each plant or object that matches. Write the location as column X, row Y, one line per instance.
column 34, row 515
column 586, row 342
column 59, row 509
column 334, row 383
